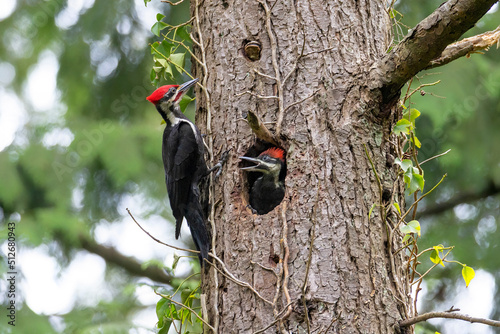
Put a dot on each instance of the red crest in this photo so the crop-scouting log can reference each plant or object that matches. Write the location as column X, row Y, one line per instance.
column 275, row 152
column 158, row 94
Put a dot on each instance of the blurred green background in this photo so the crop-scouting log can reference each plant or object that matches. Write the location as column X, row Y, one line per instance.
column 79, row 144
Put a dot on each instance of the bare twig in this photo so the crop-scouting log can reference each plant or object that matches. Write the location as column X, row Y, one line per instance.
column 264, row 75
column 408, row 95
column 301, row 100
column 448, row 315
column 374, row 171
column 173, row 3
column 275, row 321
column 421, row 198
column 264, row 97
column 434, row 157
column 432, row 267
column 230, row 276
column 274, row 60
column 285, row 258
column 331, row 324
column 157, row 240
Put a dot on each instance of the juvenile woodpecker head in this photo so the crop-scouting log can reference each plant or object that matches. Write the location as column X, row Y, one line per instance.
column 166, row 96
column 269, row 162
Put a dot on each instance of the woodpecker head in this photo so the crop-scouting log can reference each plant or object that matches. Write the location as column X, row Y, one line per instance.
column 166, row 96
column 269, row 162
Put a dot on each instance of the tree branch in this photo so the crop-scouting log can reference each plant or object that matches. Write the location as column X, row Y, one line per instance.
column 424, row 43
column 465, row 47
column 111, row 255
column 448, row 315
column 259, row 129
column 465, row 197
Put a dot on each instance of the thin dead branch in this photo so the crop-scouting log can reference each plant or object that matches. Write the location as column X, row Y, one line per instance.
column 157, row 240
column 466, row 47
column 448, row 315
column 230, row 276
column 259, row 129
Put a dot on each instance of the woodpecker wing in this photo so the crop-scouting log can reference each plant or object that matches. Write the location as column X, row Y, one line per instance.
column 180, row 160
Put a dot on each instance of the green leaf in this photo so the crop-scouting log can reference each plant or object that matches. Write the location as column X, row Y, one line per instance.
column 468, row 274
column 415, row 225
column 371, row 209
column 408, row 176
column 146, row 2
column 168, row 70
column 419, row 179
column 406, row 237
column 152, row 75
column 158, row 27
column 435, row 255
column 416, row 141
column 166, row 326
column 159, row 16
column 154, row 46
column 176, row 257
column 411, row 227
column 184, row 314
column 183, row 33
column 185, row 294
column 414, row 180
column 392, row 13
column 405, row 164
column 161, row 308
column 164, row 48
column 396, row 205
column 173, row 314
column 185, row 101
column 178, row 60
column 402, row 126
column 411, row 115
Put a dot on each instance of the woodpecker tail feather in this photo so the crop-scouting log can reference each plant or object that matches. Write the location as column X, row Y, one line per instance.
column 178, row 224
column 198, row 227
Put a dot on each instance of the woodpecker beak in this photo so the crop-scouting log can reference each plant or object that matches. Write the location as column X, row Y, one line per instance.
column 260, row 166
column 183, row 89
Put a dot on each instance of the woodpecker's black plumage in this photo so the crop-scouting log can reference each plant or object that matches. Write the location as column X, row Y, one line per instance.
column 268, row 190
column 184, row 163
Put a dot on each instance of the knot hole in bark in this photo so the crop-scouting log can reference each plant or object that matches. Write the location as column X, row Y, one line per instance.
column 264, row 172
column 251, row 49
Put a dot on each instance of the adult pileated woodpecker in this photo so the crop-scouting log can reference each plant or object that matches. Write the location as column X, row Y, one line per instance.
column 268, row 189
column 184, row 163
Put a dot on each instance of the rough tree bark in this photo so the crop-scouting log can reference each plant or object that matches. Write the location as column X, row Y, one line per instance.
column 316, row 261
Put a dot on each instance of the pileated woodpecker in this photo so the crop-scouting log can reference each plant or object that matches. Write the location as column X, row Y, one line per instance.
column 268, row 189
column 184, row 163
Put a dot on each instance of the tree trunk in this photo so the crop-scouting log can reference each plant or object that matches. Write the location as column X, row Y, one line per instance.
column 333, row 261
